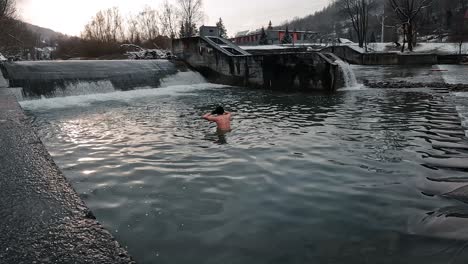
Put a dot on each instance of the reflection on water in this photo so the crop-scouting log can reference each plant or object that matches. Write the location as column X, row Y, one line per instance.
column 343, row 178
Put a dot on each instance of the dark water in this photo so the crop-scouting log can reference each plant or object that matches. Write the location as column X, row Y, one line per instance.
column 301, row 179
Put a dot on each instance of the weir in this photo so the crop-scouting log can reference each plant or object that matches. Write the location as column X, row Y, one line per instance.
column 65, row 78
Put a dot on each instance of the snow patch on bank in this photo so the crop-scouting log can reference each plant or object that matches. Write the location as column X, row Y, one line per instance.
column 265, row 47
column 438, row 48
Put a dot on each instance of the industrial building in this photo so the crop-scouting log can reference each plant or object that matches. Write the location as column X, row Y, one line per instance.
column 274, row 36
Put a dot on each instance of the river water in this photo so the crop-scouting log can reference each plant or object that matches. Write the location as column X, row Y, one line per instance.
column 343, row 178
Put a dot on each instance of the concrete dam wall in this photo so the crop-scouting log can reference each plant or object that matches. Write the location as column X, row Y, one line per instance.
column 223, row 62
column 56, row 78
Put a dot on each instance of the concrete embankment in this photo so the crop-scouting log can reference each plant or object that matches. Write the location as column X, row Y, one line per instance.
column 221, row 61
column 393, row 58
column 43, row 220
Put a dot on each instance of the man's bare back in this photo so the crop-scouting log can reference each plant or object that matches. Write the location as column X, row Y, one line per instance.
column 221, row 118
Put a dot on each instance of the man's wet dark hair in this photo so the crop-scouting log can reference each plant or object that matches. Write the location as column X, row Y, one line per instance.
column 218, row 111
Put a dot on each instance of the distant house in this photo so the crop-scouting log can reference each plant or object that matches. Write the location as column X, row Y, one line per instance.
column 274, row 36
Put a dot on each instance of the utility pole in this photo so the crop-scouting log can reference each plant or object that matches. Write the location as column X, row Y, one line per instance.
column 383, row 26
column 383, row 30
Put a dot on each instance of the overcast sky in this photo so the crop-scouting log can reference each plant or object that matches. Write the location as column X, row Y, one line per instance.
column 69, row 17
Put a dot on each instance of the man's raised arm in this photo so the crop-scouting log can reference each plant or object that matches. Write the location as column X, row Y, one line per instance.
column 209, row 117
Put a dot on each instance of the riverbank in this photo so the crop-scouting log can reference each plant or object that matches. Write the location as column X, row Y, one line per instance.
column 43, row 218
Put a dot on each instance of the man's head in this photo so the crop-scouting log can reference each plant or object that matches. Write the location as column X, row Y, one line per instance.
column 218, row 111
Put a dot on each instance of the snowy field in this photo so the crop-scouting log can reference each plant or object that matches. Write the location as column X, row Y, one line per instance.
column 265, row 47
column 439, row 48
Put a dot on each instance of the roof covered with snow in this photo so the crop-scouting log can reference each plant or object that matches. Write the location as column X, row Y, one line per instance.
column 437, row 48
column 267, row 47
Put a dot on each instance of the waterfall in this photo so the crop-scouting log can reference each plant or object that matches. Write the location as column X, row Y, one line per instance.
column 68, row 78
column 349, row 77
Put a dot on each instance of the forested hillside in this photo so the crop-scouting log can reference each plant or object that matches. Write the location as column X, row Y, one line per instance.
column 437, row 18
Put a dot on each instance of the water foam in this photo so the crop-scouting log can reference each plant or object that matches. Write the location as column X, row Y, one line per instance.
column 350, row 80
column 123, row 96
column 85, row 87
column 180, row 83
column 183, row 78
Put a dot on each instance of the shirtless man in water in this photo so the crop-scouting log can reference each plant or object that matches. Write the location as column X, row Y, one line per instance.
column 222, row 119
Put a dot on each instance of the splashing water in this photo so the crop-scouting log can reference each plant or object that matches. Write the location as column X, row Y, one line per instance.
column 350, row 80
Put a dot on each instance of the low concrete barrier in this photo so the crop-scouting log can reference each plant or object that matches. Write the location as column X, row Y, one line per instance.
column 43, row 220
column 388, row 58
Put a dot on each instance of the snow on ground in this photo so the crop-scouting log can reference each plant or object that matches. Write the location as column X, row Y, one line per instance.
column 2, row 58
column 439, row 48
column 135, row 52
column 345, row 41
column 265, row 47
column 149, row 54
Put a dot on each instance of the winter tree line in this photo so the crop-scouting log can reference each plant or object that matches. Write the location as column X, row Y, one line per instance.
column 14, row 34
column 401, row 21
column 104, row 34
column 404, row 22
column 150, row 28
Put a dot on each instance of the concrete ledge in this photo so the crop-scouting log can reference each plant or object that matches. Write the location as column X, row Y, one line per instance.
column 388, row 58
column 43, row 220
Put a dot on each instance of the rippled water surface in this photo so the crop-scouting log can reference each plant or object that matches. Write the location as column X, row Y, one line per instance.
column 355, row 177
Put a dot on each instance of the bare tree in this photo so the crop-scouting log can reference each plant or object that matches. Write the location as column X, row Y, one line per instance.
column 7, row 9
column 106, row 26
column 458, row 28
column 358, row 12
column 191, row 13
column 133, row 31
column 168, row 18
column 407, row 11
column 148, row 23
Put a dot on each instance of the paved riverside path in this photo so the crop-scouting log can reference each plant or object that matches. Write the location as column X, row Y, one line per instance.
column 42, row 218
